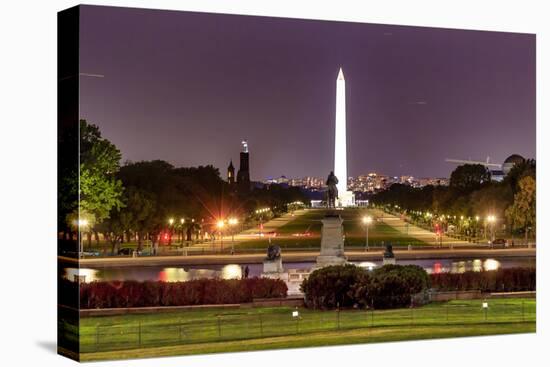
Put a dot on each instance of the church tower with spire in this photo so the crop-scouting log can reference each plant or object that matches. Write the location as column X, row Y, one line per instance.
column 231, row 173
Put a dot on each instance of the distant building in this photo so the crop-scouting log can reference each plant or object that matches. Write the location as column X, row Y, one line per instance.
column 497, row 171
column 231, row 173
column 510, row 162
column 243, row 175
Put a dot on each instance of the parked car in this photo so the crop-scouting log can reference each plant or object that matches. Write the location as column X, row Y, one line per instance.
column 499, row 241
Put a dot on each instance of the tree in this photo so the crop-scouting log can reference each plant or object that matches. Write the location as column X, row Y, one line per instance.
column 469, row 177
column 100, row 191
column 492, row 199
column 520, row 170
column 522, row 213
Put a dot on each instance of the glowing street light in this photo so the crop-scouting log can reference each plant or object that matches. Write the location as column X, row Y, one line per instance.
column 171, row 221
column 233, row 222
column 182, row 222
column 220, row 224
column 491, row 219
column 81, row 224
column 366, row 221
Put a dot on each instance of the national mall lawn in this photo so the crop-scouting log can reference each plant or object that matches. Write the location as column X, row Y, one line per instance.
column 215, row 330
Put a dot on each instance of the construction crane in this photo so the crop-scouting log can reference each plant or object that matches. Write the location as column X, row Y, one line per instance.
column 468, row 161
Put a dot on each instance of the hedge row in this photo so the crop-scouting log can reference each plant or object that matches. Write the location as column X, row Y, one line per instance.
column 501, row 280
column 389, row 286
column 193, row 292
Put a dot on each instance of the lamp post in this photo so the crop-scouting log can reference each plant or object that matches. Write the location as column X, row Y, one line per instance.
column 220, row 226
column 366, row 221
column 491, row 219
column 233, row 222
column 171, row 222
column 182, row 222
column 81, row 224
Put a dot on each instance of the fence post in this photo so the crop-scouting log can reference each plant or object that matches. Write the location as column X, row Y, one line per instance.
column 97, row 338
column 261, row 326
column 139, row 333
column 180, row 330
column 372, row 315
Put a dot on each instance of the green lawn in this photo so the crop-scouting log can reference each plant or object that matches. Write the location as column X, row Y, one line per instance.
column 239, row 329
column 354, row 230
column 290, row 235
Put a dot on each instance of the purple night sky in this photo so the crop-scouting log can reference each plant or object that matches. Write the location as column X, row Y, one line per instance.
column 188, row 87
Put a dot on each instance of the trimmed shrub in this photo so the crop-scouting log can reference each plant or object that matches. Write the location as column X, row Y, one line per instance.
column 393, row 286
column 349, row 285
column 501, row 280
column 331, row 286
column 193, row 292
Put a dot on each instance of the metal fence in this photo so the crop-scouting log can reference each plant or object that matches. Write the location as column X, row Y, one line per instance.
column 240, row 324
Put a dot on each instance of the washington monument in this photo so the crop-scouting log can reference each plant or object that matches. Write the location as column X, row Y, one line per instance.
column 345, row 197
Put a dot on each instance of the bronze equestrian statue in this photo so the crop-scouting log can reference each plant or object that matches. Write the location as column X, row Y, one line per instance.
column 332, row 190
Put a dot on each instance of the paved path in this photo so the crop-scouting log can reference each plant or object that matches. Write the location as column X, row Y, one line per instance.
column 414, row 231
column 252, row 233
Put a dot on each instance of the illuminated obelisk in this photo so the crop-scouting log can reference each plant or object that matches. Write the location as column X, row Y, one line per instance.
column 345, row 197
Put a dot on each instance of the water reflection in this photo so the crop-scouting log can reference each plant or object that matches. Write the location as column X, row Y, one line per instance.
column 81, row 275
column 235, row 271
column 172, row 274
column 231, row 271
column 462, row 266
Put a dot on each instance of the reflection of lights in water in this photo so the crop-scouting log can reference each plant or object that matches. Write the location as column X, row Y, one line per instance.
column 82, row 275
column 460, row 267
column 368, row 265
column 491, row 264
column 173, row 275
column 231, row 271
column 476, row 265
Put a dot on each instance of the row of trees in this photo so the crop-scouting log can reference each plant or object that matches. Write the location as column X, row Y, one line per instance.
column 471, row 194
column 137, row 200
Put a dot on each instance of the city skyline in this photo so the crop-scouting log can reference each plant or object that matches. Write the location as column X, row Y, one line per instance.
column 417, row 95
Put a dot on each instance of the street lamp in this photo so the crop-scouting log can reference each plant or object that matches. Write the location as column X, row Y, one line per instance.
column 182, row 222
column 171, row 222
column 233, row 222
column 220, row 224
column 491, row 219
column 81, row 224
column 366, row 221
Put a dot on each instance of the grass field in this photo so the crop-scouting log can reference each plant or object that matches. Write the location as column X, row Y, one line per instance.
column 222, row 330
column 291, row 236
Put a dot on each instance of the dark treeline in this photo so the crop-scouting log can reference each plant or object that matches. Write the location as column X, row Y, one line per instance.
column 471, row 196
column 146, row 200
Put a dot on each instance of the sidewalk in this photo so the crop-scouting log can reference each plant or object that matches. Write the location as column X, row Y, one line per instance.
column 415, row 231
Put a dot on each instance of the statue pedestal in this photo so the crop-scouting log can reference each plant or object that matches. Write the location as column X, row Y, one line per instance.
column 332, row 242
column 273, row 266
column 388, row 261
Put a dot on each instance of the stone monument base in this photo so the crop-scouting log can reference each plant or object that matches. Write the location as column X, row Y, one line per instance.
column 388, row 261
column 332, row 242
column 273, row 266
